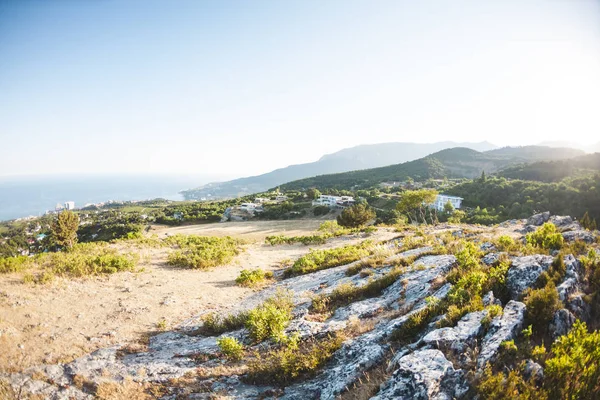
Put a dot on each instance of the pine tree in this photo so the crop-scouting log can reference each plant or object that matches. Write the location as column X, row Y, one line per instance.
column 64, row 229
column 585, row 221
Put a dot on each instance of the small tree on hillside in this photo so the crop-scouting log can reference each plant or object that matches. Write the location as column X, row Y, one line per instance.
column 414, row 203
column 587, row 222
column 355, row 216
column 64, row 229
column 448, row 208
column 313, row 193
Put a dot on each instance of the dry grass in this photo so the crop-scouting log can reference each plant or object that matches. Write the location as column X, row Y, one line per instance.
column 126, row 390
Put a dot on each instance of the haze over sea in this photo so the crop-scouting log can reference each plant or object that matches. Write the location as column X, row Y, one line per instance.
column 21, row 196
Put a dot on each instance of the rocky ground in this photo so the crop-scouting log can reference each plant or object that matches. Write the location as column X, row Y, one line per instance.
column 436, row 363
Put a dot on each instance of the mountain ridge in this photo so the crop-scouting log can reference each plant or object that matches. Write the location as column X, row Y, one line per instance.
column 349, row 159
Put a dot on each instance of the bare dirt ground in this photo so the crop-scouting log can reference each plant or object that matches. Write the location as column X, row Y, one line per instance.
column 68, row 318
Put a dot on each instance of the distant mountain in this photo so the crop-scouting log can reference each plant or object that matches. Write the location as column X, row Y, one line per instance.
column 452, row 163
column 591, row 148
column 554, row 171
column 350, row 159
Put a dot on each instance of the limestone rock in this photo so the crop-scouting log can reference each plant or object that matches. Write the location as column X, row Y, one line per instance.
column 561, row 323
column 424, row 374
column 579, row 234
column 456, row 341
column 524, row 272
column 538, row 219
column 505, row 327
column 533, row 371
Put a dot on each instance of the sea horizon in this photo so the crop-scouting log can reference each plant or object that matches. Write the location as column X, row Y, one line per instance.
column 33, row 195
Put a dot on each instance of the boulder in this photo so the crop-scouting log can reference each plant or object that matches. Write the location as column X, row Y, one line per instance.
column 561, row 221
column 561, row 323
column 579, row 307
column 489, row 299
column 424, row 374
column 538, row 219
column 533, row 371
column 524, row 272
column 502, row 328
column 456, row 341
column 579, row 234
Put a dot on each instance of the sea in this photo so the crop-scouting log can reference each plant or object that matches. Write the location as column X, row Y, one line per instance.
column 23, row 196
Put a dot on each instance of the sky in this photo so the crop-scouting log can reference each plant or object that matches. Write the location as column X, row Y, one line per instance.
column 244, row 87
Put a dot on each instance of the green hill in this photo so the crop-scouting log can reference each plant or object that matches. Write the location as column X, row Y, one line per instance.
column 554, row 171
column 458, row 162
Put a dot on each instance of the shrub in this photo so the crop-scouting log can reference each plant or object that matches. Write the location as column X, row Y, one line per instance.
column 85, row 259
column 14, row 264
column 322, row 259
column 269, row 320
column 251, row 278
column 415, row 323
column 510, row 386
column 292, row 361
column 201, row 252
column 356, row 215
column 215, row 324
column 546, row 237
column 231, row 348
column 573, row 371
column 541, row 305
column 505, row 243
column 321, row 210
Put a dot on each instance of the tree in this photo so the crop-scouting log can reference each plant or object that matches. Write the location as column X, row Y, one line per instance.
column 448, row 207
column 482, row 179
column 313, row 193
column 416, row 201
column 64, row 229
column 356, row 215
column 587, row 222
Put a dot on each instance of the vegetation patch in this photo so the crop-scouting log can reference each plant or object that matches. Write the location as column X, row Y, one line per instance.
column 317, row 260
column 546, row 237
column 202, row 252
column 292, row 361
column 253, row 278
column 231, row 348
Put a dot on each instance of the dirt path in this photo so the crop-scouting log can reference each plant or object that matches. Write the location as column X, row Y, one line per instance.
column 68, row 318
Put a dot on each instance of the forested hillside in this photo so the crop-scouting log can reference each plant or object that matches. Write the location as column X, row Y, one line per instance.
column 554, row 171
column 450, row 163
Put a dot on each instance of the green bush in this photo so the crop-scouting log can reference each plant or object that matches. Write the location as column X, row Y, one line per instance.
column 505, row 243
column 269, row 320
column 541, row 305
column 321, row 210
column 14, row 264
column 322, row 259
column 215, row 324
column 292, row 361
column 546, row 237
column 509, row 386
column 231, row 348
column 250, row 278
column 202, row 252
column 356, row 215
column 87, row 259
column 573, row 371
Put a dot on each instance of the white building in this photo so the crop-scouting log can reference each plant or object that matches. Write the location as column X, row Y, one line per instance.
column 281, row 198
column 442, row 199
column 261, row 200
column 70, row 205
column 333, row 201
column 248, row 206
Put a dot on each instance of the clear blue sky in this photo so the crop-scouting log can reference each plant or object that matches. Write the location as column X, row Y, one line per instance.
column 243, row 87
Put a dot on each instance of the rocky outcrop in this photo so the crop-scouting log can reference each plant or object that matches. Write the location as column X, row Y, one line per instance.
column 455, row 342
column 502, row 328
column 580, row 234
column 524, row 271
column 534, row 371
column 424, row 374
column 538, row 219
column 561, row 323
